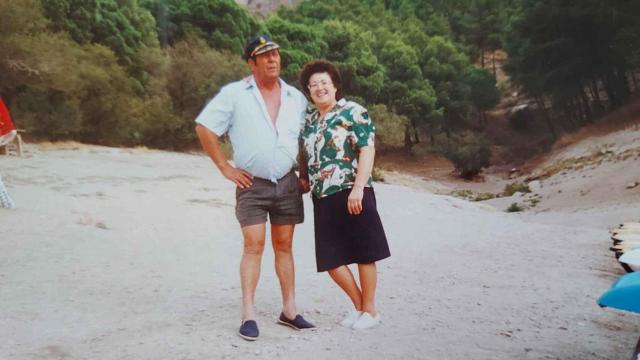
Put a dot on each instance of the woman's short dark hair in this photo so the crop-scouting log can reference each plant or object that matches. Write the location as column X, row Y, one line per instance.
column 317, row 67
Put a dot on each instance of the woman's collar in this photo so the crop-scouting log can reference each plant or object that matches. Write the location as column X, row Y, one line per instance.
column 338, row 105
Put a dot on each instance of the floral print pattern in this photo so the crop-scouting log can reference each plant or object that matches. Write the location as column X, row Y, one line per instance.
column 331, row 145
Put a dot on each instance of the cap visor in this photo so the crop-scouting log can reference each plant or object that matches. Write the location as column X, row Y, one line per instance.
column 266, row 48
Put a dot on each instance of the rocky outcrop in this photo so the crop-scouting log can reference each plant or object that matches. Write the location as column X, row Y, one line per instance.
column 262, row 8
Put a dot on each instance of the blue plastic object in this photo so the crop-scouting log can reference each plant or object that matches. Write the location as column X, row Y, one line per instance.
column 624, row 294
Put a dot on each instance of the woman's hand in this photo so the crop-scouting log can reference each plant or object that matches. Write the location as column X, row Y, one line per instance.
column 304, row 185
column 354, row 202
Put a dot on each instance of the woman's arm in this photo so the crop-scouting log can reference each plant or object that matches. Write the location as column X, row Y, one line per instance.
column 365, row 166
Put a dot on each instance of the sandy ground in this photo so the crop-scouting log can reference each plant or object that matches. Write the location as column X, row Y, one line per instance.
column 133, row 254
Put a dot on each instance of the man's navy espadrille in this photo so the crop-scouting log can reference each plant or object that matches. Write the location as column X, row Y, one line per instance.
column 298, row 323
column 249, row 330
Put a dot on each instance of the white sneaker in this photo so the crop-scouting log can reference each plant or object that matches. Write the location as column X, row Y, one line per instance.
column 366, row 321
column 351, row 319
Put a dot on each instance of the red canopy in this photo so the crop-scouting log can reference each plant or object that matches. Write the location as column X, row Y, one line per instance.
column 7, row 129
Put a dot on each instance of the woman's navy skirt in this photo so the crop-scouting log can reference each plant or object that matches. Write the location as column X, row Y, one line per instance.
column 343, row 239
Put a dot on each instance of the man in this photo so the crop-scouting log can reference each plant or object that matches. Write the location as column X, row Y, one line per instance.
column 263, row 117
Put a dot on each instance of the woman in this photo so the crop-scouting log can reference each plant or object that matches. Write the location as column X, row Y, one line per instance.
column 337, row 153
column 7, row 134
column 5, row 199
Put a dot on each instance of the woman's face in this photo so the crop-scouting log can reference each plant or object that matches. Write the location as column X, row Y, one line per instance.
column 322, row 90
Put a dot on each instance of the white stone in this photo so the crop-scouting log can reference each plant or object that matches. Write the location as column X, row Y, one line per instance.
column 535, row 185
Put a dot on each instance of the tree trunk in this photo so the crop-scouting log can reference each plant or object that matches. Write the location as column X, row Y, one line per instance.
column 445, row 124
column 622, row 85
column 483, row 119
column 493, row 63
column 595, row 91
column 592, row 90
column 610, row 90
column 572, row 114
column 415, row 132
column 546, row 116
column 568, row 115
column 578, row 111
column 447, row 131
column 634, row 80
column 585, row 103
column 407, row 140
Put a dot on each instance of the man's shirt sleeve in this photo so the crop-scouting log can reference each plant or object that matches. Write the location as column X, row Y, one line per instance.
column 217, row 114
column 303, row 105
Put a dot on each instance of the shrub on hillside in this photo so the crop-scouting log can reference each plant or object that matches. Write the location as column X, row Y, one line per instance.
column 377, row 174
column 511, row 189
column 390, row 127
column 182, row 80
column 514, row 207
column 62, row 90
column 472, row 196
column 469, row 154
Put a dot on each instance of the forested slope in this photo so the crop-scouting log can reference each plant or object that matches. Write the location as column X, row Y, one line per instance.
column 136, row 72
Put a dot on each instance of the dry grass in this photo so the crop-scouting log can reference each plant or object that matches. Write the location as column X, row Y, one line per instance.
column 428, row 165
column 472, row 195
column 577, row 163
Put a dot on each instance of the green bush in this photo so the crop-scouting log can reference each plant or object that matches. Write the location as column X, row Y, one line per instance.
column 390, row 127
column 484, row 196
column 377, row 175
column 514, row 207
column 182, row 79
column 469, row 154
column 511, row 189
column 463, row 194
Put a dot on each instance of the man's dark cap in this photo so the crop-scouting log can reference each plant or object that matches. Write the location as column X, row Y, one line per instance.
column 259, row 45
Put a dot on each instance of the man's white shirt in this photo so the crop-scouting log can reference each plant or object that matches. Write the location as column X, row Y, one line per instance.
column 260, row 148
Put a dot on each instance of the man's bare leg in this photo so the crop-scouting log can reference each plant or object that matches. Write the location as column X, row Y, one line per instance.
column 343, row 276
column 281, row 239
column 368, row 280
column 250, row 267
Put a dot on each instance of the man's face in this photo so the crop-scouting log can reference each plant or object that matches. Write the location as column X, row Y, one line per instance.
column 266, row 65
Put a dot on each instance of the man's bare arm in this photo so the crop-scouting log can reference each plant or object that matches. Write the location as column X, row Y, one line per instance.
column 211, row 145
column 304, row 172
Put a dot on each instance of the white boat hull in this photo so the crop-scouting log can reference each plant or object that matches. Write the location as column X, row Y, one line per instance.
column 632, row 259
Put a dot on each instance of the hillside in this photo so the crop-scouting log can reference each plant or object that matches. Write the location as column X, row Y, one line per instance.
column 587, row 157
column 262, row 8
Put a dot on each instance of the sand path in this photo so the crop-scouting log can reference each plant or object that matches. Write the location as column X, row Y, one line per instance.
column 133, row 254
